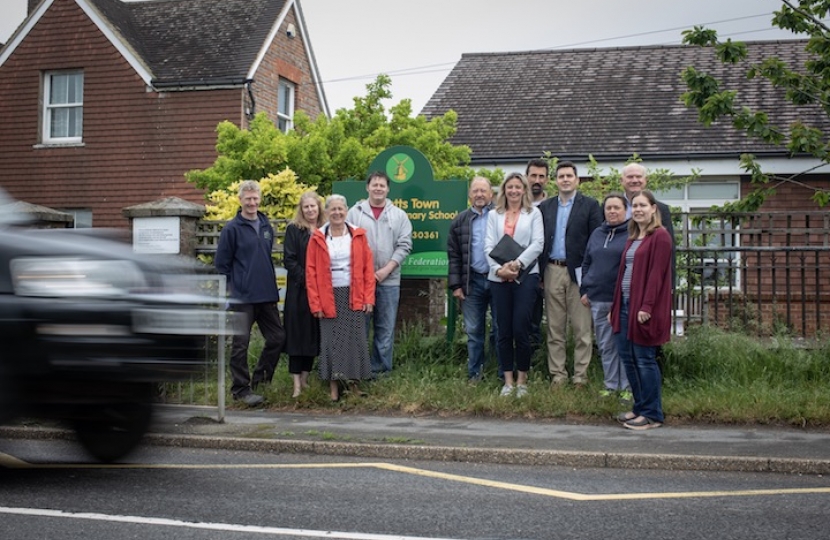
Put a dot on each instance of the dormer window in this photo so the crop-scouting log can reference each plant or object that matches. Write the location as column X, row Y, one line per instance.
column 63, row 107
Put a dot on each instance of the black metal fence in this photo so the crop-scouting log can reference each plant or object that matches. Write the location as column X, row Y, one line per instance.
column 762, row 274
column 758, row 273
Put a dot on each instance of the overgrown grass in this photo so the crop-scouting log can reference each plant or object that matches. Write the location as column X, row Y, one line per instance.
column 710, row 376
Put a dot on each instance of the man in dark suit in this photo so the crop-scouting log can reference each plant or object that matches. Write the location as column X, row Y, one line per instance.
column 569, row 219
column 634, row 180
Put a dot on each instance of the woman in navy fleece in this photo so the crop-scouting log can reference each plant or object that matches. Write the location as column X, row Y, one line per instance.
column 599, row 276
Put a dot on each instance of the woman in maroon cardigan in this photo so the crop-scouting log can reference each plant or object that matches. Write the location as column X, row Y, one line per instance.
column 641, row 309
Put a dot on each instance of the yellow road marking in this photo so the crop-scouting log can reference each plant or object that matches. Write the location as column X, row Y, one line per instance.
column 8, row 461
column 11, row 462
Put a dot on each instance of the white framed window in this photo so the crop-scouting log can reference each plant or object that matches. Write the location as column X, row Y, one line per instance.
column 285, row 105
column 702, row 193
column 719, row 268
column 63, row 107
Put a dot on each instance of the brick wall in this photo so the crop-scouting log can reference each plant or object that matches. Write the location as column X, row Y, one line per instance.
column 423, row 302
column 286, row 58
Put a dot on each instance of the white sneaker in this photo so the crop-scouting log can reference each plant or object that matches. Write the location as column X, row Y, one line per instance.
column 506, row 390
column 521, row 390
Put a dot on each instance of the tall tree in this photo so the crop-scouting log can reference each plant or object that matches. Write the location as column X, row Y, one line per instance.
column 803, row 86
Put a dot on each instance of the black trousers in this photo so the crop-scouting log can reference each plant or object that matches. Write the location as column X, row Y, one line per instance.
column 267, row 317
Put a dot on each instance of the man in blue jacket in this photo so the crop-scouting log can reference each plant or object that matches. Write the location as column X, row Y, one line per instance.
column 468, row 269
column 244, row 258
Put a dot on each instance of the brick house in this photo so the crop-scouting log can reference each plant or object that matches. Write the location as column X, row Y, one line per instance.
column 615, row 102
column 106, row 104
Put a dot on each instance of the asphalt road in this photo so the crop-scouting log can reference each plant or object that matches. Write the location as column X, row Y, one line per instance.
column 49, row 489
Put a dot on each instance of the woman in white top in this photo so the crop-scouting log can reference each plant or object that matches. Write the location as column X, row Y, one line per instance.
column 340, row 279
column 514, row 296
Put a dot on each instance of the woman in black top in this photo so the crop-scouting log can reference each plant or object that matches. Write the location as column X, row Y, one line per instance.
column 302, row 329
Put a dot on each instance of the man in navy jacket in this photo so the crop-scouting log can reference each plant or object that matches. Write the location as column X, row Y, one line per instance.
column 468, row 269
column 569, row 219
column 244, row 257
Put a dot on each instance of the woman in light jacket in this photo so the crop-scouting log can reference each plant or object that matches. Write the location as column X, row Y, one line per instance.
column 641, row 310
column 514, row 298
column 340, row 278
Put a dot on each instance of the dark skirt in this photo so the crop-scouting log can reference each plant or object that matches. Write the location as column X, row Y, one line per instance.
column 344, row 349
column 302, row 334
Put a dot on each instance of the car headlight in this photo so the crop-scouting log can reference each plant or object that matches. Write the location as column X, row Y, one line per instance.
column 67, row 277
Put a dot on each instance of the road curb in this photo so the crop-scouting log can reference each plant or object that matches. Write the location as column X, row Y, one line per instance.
column 550, row 458
column 554, row 458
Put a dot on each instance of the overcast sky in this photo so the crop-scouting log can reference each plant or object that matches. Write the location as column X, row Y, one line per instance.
column 417, row 42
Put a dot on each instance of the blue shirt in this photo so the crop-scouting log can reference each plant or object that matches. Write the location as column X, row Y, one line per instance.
column 557, row 250
column 478, row 230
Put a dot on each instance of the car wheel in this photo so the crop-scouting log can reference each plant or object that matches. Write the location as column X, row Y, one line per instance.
column 114, row 430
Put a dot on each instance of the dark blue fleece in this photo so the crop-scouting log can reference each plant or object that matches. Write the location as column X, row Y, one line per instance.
column 245, row 258
column 602, row 261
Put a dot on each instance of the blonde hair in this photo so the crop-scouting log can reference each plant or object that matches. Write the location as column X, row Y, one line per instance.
column 654, row 223
column 300, row 220
column 501, row 198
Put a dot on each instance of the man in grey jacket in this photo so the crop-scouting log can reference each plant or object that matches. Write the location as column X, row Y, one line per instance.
column 389, row 233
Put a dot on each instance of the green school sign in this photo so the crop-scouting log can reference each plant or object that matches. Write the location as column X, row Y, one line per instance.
column 431, row 205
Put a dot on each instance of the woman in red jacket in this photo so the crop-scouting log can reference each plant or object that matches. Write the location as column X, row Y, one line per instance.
column 340, row 279
column 641, row 310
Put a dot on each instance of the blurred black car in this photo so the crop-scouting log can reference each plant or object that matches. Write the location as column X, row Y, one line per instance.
column 88, row 329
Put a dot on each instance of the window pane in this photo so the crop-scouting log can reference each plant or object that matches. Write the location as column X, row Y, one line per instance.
column 283, row 95
column 58, row 90
column 714, row 190
column 77, row 94
column 282, row 124
column 59, row 123
column 66, row 122
column 672, row 194
column 75, row 119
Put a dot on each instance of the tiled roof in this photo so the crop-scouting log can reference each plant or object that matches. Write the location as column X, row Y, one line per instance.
column 194, row 41
column 607, row 102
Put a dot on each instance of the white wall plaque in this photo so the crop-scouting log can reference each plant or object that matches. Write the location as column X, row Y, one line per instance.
column 156, row 235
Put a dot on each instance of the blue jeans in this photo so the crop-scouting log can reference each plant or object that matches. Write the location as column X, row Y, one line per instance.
column 474, row 309
column 640, row 362
column 514, row 311
column 614, row 373
column 382, row 321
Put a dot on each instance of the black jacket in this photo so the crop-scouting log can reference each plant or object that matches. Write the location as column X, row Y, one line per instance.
column 586, row 216
column 458, row 249
column 302, row 334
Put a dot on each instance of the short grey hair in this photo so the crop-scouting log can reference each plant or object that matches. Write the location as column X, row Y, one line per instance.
column 249, row 185
column 336, row 197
